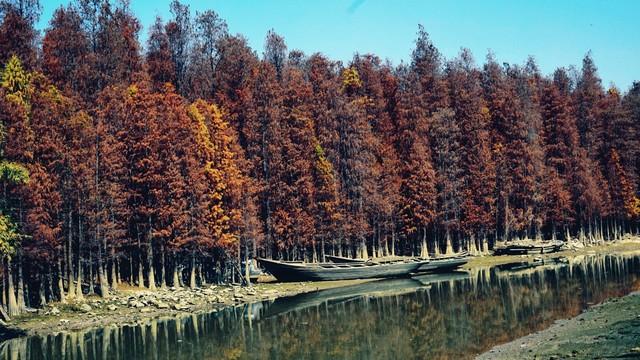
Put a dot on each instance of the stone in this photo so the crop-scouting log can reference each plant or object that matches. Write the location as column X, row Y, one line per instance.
column 64, row 321
column 85, row 307
column 55, row 311
column 112, row 307
column 180, row 306
column 136, row 304
column 162, row 305
column 145, row 310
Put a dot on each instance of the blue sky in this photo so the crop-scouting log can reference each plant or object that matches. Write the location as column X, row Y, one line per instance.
column 556, row 33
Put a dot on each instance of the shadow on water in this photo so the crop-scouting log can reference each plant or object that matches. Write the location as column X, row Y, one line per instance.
column 452, row 315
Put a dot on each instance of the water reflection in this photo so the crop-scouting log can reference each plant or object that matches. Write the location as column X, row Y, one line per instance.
column 434, row 316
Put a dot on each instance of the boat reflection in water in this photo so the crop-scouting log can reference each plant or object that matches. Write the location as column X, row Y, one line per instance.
column 431, row 316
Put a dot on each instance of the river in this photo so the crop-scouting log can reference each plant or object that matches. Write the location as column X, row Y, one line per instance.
column 456, row 316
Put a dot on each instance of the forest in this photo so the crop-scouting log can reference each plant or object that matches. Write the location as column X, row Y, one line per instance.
column 168, row 162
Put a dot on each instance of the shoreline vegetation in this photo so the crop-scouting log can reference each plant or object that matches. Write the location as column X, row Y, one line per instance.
column 130, row 304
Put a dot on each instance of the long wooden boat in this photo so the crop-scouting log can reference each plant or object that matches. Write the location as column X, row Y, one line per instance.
column 438, row 264
column 343, row 260
column 528, row 249
column 286, row 271
column 445, row 263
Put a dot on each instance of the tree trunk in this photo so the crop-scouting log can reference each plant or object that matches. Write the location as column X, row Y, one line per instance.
column 41, row 292
column 20, row 299
column 12, row 303
column 91, row 289
column 192, row 277
column 150, row 270
column 506, row 218
column 49, row 285
column 393, row 242
column 140, row 270
column 61, row 283
column 176, row 278
column 102, row 276
column 163, row 273
column 114, row 270
column 79, row 294
column 70, row 276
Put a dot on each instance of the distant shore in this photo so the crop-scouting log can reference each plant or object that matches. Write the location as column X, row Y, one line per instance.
column 131, row 305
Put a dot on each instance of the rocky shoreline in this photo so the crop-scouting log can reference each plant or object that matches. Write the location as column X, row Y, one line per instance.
column 130, row 305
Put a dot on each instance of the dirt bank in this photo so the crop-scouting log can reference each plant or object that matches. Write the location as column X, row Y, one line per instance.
column 609, row 330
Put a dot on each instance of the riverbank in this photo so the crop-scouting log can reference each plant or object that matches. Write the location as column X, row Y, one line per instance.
column 627, row 244
column 134, row 305
column 609, row 330
column 130, row 305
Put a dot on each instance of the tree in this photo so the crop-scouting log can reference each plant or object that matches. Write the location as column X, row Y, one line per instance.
column 179, row 31
column 65, row 50
column 209, row 30
column 275, row 51
column 159, row 64
column 418, row 184
column 17, row 31
column 477, row 210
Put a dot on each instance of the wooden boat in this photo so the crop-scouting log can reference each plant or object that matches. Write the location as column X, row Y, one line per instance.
column 528, row 249
column 287, row 271
column 438, row 264
column 343, row 260
column 445, row 263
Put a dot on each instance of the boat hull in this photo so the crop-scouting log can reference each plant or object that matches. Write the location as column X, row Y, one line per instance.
column 343, row 260
column 444, row 265
column 288, row 272
column 527, row 250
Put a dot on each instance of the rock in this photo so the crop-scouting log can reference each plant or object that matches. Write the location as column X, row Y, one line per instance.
column 112, row 307
column 85, row 307
column 136, row 304
column 145, row 310
column 180, row 306
column 64, row 321
column 635, row 350
column 161, row 305
column 55, row 311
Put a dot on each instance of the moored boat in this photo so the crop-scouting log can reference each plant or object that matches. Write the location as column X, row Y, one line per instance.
column 287, row 271
column 528, row 249
column 445, row 263
column 343, row 260
column 437, row 264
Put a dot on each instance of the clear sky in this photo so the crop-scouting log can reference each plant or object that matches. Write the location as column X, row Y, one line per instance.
column 555, row 32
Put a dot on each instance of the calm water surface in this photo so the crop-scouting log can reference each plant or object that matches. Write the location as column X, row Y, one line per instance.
column 428, row 317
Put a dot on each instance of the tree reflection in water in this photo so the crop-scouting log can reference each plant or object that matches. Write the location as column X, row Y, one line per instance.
column 436, row 317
